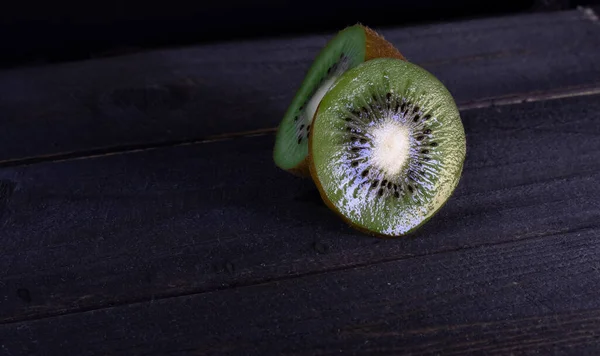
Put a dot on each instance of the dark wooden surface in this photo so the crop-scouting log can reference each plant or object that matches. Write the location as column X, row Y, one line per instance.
column 536, row 295
column 121, row 241
column 194, row 218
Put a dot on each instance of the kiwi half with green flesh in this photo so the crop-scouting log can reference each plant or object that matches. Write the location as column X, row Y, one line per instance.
column 387, row 147
column 351, row 46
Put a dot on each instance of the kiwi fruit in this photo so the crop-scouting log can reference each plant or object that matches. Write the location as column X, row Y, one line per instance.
column 350, row 47
column 387, row 147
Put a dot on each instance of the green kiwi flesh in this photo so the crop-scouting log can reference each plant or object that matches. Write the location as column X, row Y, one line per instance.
column 344, row 51
column 387, row 147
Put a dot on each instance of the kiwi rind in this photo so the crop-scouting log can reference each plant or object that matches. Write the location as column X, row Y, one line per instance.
column 326, row 101
column 375, row 46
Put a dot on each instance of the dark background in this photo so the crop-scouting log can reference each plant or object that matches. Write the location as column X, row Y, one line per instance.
column 50, row 31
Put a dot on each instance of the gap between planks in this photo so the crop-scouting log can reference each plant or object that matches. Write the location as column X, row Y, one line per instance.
column 258, row 282
column 513, row 99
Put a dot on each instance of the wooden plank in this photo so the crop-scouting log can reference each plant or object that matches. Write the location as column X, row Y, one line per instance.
column 91, row 233
column 537, row 296
column 191, row 93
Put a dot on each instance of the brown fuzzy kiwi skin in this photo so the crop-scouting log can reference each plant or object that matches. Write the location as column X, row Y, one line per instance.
column 379, row 47
column 375, row 47
column 301, row 170
column 331, row 206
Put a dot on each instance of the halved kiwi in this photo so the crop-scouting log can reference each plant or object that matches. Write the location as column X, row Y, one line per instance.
column 387, row 147
column 350, row 47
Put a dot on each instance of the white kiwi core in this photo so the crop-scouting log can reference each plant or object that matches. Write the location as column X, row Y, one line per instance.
column 391, row 147
column 313, row 103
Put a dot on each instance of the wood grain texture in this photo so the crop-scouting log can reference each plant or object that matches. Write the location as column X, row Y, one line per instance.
column 536, row 296
column 189, row 94
column 93, row 233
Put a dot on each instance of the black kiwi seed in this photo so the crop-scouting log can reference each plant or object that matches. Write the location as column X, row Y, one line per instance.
column 308, row 128
column 416, row 118
column 388, row 96
column 384, row 182
column 425, row 151
column 355, row 149
column 403, row 106
column 411, row 189
column 348, row 128
column 365, row 172
column 427, row 117
column 427, row 132
column 389, row 185
column 301, row 127
column 348, row 119
column 363, row 141
column 415, row 109
column 299, row 139
column 354, row 164
column 420, row 138
column 380, row 192
column 374, row 184
column 395, row 187
column 329, row 70
column 425, row 158
column 296, row 118
column 433, row 144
